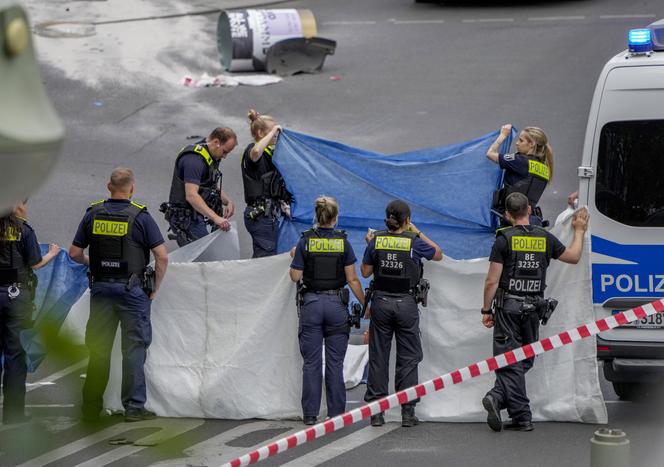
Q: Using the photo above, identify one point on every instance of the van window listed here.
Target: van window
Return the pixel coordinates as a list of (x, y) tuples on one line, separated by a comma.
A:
[(630, 173)]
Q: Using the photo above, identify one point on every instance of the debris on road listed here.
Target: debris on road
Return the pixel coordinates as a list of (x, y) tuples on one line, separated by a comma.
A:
[(207, 81)]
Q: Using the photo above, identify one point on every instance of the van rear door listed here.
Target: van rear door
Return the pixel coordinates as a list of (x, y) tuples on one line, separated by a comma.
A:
[(626, 197)]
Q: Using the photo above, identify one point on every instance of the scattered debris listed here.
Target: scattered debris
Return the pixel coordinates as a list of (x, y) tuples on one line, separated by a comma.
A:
[(335, 78), (65, 29), (298, 55), (206, 81)]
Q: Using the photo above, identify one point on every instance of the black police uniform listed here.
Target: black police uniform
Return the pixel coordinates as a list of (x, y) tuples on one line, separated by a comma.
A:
[(19, 251), (120, 234), (322, 254), (523, 174), (525, 253), (263, 192), (394, 312), (185, 222)]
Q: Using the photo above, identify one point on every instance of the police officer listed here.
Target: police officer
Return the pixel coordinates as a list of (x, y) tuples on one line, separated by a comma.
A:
[(264, 190), (197, 179), (120, 234), (527, 171), (394, 257), (517, 277), (19, 256), (324, 262)]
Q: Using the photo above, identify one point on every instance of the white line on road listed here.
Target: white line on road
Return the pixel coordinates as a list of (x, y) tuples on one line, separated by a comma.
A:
[(347, 23), (57, 375), (50, 406), (417, 21), (169, 428), (42, 383), (218, 449), (556, 18), (617, 402), (625, 16), (488, 20), (343, 445)]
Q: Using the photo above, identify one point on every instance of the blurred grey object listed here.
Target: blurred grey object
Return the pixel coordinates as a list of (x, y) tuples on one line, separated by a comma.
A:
[(31, 133), (298, 55)]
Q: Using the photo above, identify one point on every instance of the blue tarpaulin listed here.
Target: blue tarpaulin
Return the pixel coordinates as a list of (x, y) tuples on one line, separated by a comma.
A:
[(61, 284), (449, 189)]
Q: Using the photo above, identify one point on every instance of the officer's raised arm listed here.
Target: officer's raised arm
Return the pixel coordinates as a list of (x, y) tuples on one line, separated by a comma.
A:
[(572, 253), (438, 255), (492, 154)]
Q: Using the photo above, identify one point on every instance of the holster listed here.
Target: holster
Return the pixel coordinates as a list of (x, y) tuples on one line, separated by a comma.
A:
[(134, 280), (498, 201), (299, 296), (422, 292), (344, 296), (498, 299), (368, 295), (149, 279)]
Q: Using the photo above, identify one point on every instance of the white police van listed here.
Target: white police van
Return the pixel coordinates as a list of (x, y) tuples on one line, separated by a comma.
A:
[(622, 182)]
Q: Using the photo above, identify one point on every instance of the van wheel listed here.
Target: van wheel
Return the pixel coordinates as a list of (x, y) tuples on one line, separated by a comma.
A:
[(626, 391)]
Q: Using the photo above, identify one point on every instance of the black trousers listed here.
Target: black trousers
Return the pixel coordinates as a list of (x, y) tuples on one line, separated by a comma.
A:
[(511, 331), (399, 317)]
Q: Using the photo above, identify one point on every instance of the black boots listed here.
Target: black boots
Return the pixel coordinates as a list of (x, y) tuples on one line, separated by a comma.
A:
[(408, 417)]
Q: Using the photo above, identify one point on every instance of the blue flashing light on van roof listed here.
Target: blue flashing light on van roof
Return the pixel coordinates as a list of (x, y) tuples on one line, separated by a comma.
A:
[(639, 41)]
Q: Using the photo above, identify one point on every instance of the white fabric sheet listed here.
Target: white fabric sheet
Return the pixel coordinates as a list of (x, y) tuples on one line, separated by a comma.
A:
[(225, 342)]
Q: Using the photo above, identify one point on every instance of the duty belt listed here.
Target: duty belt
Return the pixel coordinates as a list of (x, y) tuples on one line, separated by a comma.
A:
[(325, 292), (518, 298), (395, 294), (114, 280)]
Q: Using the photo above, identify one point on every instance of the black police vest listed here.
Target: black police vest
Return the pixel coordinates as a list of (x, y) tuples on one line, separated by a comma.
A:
[(395, 271), (13, 268), (324, 260), (113, 252), (534, 184), (265, 182), (178, 195), (524, 273)]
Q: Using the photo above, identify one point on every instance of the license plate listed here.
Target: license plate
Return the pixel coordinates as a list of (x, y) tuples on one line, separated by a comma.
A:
[(655, 321)]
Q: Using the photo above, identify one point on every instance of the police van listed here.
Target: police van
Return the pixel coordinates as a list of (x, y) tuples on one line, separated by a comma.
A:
[(622, 183)]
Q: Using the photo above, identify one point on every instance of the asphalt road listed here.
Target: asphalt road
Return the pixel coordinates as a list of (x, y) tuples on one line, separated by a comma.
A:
[(412, 76)]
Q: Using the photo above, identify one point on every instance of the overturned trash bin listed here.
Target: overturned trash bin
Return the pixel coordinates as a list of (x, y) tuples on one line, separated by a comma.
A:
[(298, 55), (244, 36)]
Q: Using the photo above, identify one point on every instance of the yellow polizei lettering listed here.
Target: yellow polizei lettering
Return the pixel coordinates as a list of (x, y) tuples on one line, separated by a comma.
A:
[(326, 245), (10, 236), (539, 169), (529, 244), (110, 228), (393, 243)]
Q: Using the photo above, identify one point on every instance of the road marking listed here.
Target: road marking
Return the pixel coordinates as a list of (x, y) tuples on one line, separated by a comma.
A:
[(556, 18), (216, 451), (169, 428), (625, 16), (43, 383), (488, 20), (417, 21), (50, 406), (348, 23), (48, 380), (341, 446), (57, 375), (617, 402)]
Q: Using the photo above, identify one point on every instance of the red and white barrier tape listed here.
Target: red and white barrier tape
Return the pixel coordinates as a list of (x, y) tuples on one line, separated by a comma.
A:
[(454, 377)]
